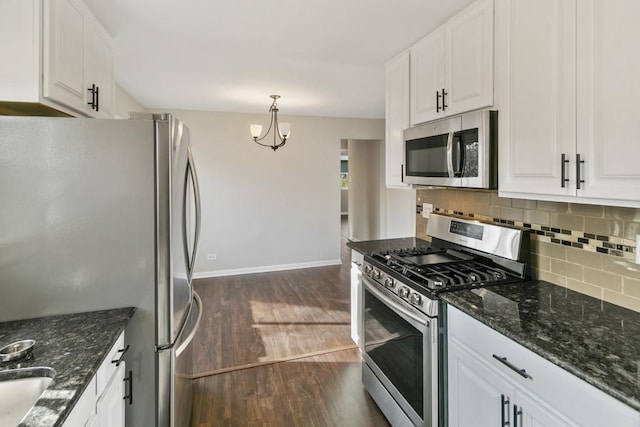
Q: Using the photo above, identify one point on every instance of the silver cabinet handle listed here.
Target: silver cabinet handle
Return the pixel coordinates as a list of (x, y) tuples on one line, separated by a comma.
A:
[(522, 372)]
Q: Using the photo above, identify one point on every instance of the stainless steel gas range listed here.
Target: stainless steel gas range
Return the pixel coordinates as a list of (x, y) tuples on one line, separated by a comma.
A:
[(402, 331)]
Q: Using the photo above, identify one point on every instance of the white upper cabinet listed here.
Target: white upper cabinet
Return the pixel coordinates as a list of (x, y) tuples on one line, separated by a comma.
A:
[(99, 72), (427, 78), (565, 82), (59, 51), (78, 59), (397, 117), (452, 68), (64, 50), (536, 91), (608, 82), (469, 59)]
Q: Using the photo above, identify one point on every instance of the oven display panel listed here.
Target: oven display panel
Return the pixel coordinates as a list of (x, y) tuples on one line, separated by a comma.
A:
[(472, 231)]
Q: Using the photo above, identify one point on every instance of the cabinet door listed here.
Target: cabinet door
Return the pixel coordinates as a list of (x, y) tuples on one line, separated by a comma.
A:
[(478, 396), (397, 117), (99, 69), (608, 105), (110, 406), (536, 90), (529, 412), (469, 59), (356, 298), (427, 77), (64, 61)]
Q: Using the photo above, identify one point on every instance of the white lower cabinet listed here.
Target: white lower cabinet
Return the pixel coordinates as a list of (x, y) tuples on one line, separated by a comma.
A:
[(520, 390), (103, 402), (356, 298), (110, 406)]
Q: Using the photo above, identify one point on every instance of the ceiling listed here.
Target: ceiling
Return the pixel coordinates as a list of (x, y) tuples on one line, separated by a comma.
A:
[(324, 57)]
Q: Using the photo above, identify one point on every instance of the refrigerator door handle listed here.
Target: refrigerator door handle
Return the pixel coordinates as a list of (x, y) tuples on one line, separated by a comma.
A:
[(193, 331), (191, 171)]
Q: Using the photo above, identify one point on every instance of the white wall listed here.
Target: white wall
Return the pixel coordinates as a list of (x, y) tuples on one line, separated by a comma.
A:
[(401, 213), (265, 210), (125, 104), (366, 190)]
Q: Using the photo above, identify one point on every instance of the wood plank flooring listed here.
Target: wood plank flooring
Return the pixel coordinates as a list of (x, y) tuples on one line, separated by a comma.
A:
[(274, 349)]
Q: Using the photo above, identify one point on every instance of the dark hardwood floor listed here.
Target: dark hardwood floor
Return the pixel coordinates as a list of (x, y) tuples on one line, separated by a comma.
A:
[(274, 349)]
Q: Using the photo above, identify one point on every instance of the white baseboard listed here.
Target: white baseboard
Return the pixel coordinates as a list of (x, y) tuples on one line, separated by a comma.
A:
[(264, 269)]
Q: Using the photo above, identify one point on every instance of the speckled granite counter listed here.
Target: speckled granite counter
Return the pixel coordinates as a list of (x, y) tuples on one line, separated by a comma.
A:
[(594, 340), (368, 246), (74, 345)]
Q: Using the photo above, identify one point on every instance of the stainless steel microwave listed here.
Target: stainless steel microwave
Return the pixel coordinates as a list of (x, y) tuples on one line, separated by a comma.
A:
[(459, 151)]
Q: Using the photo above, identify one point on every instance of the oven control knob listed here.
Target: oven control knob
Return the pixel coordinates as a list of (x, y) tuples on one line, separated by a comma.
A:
[(376, 273), (415, 299), (389, 283), (368, 269), (404, 292)]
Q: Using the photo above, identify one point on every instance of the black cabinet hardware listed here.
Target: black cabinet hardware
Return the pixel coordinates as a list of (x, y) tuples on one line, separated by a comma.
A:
[(438, 101), (504, 361), (579, 179), (95, 97), (517, 413), (122, 352), (401, 173), (92, 90), (504, 411), (129, 382), (444, 97), (563, 175)]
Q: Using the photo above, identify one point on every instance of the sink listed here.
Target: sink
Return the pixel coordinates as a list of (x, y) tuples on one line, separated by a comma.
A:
[(19, 391)]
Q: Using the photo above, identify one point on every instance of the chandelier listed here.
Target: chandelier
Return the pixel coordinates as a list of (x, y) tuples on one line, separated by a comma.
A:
[(281, 131)]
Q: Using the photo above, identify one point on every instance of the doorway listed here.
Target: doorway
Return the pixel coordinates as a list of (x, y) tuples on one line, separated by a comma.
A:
[(365, 184)]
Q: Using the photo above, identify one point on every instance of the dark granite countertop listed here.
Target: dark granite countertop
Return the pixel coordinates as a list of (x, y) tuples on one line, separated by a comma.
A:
[(594, 340), (74, 345), (367, 246)]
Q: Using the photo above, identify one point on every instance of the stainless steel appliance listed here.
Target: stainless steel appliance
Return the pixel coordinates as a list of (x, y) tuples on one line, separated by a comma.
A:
[(401, 309), (458, 151), (99, 214)]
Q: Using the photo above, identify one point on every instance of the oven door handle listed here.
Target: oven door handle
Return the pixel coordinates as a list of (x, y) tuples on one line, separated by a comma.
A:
[(391, 303)]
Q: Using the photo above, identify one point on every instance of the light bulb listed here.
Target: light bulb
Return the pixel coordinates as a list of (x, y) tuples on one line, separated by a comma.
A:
[(256, 130), (284, 129)]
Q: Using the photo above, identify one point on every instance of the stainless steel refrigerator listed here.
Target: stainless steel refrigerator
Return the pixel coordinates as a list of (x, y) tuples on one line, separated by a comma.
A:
[(98, 214)]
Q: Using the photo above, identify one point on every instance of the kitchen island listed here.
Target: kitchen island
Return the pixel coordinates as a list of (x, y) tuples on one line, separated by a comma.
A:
[(74, 345)]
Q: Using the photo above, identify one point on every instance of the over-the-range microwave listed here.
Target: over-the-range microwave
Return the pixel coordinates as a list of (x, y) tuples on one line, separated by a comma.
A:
[(459, 151)]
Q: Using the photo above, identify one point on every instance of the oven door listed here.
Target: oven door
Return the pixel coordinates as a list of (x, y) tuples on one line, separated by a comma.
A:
[(400, 348)]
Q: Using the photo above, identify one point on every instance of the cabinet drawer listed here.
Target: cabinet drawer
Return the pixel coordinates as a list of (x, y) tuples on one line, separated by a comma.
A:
[(108, 368), (576, 399)]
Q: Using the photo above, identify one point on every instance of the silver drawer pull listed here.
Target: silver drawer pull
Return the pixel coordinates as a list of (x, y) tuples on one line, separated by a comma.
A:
[(505, 362)]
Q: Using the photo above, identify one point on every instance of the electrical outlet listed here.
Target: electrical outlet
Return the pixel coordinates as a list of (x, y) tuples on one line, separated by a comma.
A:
[(637, 248), (211, 257), (427, 208)]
